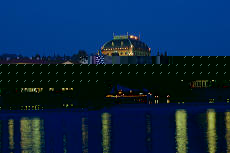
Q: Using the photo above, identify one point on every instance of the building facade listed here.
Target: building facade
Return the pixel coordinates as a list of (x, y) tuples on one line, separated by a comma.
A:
[(125, 45)]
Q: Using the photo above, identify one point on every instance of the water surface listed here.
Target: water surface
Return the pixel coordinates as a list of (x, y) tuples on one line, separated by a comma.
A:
[(123, 129)]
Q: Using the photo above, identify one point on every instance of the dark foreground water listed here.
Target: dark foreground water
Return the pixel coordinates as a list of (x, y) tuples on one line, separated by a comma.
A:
[(124, 129)]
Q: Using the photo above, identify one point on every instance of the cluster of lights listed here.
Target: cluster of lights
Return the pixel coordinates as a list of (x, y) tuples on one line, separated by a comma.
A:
[(130, 54), (64, 89), (31, 89), (114, 48), (211, 100), (36, 107), (67, 105), (133, 37)]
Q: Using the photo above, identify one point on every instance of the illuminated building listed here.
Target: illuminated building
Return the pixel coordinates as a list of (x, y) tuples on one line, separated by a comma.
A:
[(199, 84), (126, 45), (37, 90)]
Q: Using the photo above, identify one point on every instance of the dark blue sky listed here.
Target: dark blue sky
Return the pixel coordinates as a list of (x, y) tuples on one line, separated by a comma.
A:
[(182, 27)]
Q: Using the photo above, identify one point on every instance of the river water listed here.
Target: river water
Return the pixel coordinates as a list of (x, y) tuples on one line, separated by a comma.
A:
[(120, 129)]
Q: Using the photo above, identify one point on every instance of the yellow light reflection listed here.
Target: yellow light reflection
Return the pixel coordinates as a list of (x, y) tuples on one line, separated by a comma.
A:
[(36, 135), (106, 132), (168, 101), (84, 128), (32, 135), (211, 130), (227, 136), (11, 133), (181, 131)]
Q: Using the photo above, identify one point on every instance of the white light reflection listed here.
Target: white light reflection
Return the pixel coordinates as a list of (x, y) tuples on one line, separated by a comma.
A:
[(64, 143), (181, 131), (227, 136), (84, 129), (106, 132), (211, 130), (11, 133)]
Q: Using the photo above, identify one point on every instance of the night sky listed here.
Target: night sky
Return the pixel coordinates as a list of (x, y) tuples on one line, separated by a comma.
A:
[(182, 27)]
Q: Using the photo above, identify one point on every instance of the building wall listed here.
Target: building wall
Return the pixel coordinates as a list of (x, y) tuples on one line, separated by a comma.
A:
[(127, 52), (141, 53), (121, 52)]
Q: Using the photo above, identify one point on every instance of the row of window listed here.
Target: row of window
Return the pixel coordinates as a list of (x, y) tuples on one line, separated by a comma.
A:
[(126, 53), (200, 83), (41, 89)]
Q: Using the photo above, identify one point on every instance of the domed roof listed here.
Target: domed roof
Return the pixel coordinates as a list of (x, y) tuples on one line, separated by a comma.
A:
[(119, 43), (125, 43)]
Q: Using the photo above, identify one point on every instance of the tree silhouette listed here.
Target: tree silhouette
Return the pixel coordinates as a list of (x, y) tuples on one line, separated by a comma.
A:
[(76, 57)]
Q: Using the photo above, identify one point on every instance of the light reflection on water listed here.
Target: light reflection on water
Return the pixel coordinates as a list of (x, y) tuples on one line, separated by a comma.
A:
[(148, 121), (84, 129), (106, 132), (211, 130), (32, 136), (11, 134), (64, 143), (181, 131), (227, 125)]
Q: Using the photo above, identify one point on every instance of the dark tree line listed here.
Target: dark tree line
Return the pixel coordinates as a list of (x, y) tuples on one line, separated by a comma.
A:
[(75, 57)]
